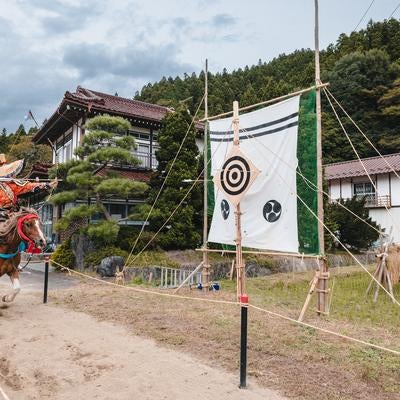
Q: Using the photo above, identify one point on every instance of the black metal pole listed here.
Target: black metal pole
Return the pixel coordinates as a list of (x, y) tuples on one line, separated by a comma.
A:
[(46, 279), (244, 300)]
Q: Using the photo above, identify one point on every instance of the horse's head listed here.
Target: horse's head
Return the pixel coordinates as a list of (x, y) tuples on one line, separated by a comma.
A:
[(29, 230)]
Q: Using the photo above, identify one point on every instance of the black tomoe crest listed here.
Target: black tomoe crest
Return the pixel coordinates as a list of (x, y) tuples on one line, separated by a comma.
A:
[(272, 210), (225, 209)]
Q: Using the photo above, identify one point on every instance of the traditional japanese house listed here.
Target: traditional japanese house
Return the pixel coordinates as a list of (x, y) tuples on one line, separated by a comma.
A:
[(64, 130)]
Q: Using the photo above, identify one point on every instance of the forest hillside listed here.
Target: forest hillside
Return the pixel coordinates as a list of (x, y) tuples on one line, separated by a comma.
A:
[(363, 70)]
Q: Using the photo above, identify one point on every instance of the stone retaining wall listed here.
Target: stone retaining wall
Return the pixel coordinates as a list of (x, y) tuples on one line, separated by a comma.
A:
[(221, 270)]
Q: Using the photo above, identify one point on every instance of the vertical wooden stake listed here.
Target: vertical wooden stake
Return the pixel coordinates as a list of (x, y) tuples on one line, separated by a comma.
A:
[(322, 300), (240, 275), (206, 265), (309, 295)]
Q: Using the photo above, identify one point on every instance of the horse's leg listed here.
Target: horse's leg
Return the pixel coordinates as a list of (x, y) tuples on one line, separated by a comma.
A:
[(14, 276)]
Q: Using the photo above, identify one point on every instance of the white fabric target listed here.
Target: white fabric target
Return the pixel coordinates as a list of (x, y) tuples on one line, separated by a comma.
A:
[(268, 138)]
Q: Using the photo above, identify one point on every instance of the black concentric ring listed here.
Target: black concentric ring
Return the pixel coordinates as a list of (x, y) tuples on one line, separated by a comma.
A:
[(235, 175)]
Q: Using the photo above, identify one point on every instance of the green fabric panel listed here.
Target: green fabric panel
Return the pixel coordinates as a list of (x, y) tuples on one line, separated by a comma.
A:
[(210, 183), (307, 157)]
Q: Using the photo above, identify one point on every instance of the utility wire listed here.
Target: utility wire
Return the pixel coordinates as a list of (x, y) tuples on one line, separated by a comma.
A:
[(362, 18), (391, 15)]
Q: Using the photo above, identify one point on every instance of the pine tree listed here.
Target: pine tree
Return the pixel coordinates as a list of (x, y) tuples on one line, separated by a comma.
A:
[(182, 231), (105, 143)]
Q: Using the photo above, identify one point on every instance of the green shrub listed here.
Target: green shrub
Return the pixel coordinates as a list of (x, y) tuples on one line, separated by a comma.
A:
[(64, 256), (94, 257)]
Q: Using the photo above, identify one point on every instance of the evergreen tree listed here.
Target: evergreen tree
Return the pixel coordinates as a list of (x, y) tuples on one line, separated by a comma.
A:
[(4, 141), (105, 144), (352, 232), (183, 230), (25, 149), (20, 131), (361, 67)]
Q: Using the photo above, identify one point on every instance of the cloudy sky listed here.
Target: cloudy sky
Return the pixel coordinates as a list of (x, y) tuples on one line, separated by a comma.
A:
[(50, 46)]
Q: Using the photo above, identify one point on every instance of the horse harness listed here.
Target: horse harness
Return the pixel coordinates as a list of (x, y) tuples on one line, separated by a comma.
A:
[(30, 248)]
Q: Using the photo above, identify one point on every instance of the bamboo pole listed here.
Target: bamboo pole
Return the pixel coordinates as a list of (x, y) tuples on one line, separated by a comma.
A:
[(188, 277), (270, 101), (309, 295), (240, 275), (264, 253), (322, 291), (206, 265)]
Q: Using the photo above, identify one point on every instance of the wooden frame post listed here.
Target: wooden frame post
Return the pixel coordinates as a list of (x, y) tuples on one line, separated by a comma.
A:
[(206, 264), (240, 275), (323, 274)]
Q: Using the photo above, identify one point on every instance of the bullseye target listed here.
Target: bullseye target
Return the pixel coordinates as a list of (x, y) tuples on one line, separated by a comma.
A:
[(236, 175)]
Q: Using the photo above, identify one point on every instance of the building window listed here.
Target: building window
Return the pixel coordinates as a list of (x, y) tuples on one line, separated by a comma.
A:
[(117, 211), (46, 216), (64, 149), (362, 189), (68, 151)]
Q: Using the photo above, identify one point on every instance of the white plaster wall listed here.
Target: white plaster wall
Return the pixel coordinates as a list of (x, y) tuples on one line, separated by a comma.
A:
[(387, 219), (347, 190), (395, 185), (382, 184), (75, 139), (200, 144), (334, 189)]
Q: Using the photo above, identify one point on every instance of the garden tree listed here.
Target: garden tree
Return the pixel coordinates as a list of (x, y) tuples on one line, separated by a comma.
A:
[(352, 232), (30, 152), (182, 231), (106, 143)]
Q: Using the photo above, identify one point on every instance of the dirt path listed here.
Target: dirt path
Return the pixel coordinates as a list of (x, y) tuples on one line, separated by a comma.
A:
[(48, 352)]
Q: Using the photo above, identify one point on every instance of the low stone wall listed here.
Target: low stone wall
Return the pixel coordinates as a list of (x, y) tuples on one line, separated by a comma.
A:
[(221, 270)]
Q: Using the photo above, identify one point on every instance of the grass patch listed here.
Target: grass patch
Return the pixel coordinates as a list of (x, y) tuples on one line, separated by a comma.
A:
[(281, 354), (348, 299)]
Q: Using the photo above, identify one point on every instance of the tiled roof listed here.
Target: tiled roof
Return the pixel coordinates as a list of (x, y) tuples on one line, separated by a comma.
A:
[(142, 176), (39, 169), (115, 104), (373, 165)]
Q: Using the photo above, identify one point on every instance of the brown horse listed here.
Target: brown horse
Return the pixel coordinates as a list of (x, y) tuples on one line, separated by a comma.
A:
[(21, 227)]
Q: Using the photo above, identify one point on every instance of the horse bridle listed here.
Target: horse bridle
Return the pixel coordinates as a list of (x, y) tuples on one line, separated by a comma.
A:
[(31, 243)]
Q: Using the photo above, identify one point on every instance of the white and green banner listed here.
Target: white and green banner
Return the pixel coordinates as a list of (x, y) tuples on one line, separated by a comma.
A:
[(272, 217)]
